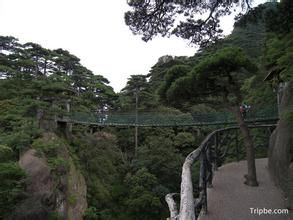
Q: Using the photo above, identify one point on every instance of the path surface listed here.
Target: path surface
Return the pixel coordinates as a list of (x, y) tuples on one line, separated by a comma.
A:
[(230, 199)]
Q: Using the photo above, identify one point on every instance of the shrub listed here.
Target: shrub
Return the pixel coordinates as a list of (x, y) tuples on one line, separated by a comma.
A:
[(11, 187)]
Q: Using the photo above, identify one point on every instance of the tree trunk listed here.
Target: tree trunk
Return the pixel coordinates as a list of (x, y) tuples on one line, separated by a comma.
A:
[(251, 179), (45, 68)]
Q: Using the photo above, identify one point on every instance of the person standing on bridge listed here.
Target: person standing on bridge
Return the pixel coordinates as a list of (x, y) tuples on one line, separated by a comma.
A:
[(244, 109)]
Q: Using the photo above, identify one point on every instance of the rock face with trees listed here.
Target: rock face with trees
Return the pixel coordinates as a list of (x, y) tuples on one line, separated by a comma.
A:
[(35, 84)]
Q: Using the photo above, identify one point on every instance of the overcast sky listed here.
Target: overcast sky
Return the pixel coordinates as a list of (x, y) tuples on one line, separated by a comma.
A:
[(94, 31)]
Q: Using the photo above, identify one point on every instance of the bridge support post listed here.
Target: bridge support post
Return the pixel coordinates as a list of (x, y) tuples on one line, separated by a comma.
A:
[(216, 139), (237, 145), (69, 125), (46, 121), (209, 167), (136, 139), (64, 129), (203, 181), (94, 129)]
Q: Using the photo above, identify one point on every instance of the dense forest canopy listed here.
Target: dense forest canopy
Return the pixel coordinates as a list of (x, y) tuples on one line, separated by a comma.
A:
[(36, 84)]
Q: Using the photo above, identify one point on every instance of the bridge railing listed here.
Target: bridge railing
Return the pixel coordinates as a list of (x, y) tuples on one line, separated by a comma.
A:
[(209, 155)]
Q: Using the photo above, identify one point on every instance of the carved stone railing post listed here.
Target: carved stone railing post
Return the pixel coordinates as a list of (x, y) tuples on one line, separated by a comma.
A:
[(172, 206), (186, 196)]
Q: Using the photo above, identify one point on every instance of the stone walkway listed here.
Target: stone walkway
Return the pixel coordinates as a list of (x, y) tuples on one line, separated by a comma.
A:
[(230, 199)]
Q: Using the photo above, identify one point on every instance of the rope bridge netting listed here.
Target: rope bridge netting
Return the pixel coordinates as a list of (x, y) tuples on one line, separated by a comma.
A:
[(168, 119)]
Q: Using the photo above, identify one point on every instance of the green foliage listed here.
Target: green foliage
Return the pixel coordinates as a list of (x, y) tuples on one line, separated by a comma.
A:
[(11, 172), (279, 54), (58, 162), (54, 216), (46, 75), (253, 16), (172, 74), (137, 93), (201, 108), (251, 39), (279, 17), (122, 187), (54, 150), (49, 147), (220, 75), (91, 213), (258, 93), (6, 153), (184, 139), (18, 134), (142, 202), (228, 60), (167, 168), (72, 199), (11, 187), (159, 70), (103, 168)]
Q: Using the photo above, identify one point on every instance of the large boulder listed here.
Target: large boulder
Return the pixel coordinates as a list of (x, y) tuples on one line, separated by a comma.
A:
[(52, 188), (281, 148), (39, 174), (40, 199)]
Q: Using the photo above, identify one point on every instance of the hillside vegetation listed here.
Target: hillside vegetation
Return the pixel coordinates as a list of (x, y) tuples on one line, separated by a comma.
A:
[(101, 175)]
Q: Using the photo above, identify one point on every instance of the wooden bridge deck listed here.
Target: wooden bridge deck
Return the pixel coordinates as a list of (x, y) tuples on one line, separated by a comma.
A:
[(230, 199)]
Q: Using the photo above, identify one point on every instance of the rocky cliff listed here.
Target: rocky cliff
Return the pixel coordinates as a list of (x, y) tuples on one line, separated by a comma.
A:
[(281, 147), (55, 187)]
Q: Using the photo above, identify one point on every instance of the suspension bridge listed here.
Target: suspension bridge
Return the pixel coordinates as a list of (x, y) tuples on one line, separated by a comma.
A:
[(164, 119)]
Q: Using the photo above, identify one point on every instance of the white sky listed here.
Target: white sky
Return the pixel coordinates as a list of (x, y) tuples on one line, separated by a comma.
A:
[(94, 31)]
